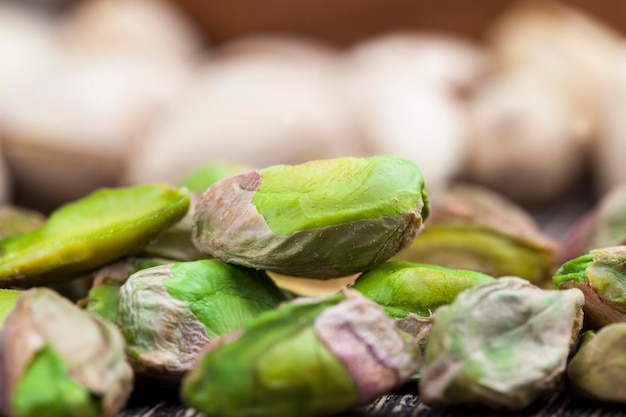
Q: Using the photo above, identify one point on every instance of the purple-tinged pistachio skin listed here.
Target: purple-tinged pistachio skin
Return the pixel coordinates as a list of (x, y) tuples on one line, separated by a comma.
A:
[(322, 219), (88, 350), (311, 357), (502, 344)]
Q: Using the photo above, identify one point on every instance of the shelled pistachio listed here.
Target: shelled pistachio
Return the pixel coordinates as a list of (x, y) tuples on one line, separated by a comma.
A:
[(601, 276), (598, 369), (502, 344), (60, 361), (321, 219), (168, 313), (200, 179), (90, 232), (474, 228), (311, 357)]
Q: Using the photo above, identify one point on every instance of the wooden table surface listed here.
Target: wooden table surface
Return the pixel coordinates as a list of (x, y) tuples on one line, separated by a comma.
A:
[(555, 221)]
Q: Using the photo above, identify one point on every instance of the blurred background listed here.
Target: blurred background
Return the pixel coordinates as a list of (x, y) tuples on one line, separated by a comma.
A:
[(524, 97)]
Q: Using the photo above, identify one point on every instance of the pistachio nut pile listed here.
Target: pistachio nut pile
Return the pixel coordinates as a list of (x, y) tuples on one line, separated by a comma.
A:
[(172, 286)]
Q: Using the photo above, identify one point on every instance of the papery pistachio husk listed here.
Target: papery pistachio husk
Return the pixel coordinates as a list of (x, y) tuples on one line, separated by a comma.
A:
[(103, 297), (16, 220), (8, 299), (58, 360), (598, 369), (502, 344), (91, 232), (322, 219), (311, 357), (168, 313), (473, 228), (601, 276), (603, 226)]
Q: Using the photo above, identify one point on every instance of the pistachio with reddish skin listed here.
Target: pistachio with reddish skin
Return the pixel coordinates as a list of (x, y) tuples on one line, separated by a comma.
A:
[(601, 276), (168, 313), (477, 229), (502, 344), (311, 357), (322, 219), (58, 360)]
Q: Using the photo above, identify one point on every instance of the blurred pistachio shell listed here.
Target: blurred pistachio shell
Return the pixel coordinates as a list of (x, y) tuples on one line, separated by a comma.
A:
[(168, 313), (601, 276), (603, 226), (90, 232), (310, 357), (16, 220), (8, 299), (321, 219), (474, 228), (598, 369), (103, 297), (310, 287), (502, 344), (58, 360), (404, 288)]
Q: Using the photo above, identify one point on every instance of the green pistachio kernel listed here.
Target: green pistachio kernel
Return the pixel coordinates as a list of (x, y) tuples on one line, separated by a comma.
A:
[(8, 299), (311, 357), (88, 233), (402, 288), (204, 177), (321, 219), (169, 313)]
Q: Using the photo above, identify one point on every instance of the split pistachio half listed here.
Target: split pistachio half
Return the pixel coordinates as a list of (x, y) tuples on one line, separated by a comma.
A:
[(321, 219)]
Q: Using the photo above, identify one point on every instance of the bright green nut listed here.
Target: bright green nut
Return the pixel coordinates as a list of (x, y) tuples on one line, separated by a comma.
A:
[(502, 344), (322, 219), (8, 299), (311, 357), (18, 220), (598, 369), (204, 177), (91, 232), (476, 229), (58, 360), (168, 313), (404, 288)]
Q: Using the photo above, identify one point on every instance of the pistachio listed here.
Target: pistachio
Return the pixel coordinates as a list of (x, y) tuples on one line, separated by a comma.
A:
[(502, 344), (321, 219), (168, 313), (598, 369), (8, 298), (93, 231), (601, 276), (477, 229), (58, 360), (202, 178), (311, 357)]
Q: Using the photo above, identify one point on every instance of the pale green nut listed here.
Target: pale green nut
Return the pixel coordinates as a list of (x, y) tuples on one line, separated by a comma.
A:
[(601, 275), (321, 219), (169, 313), (93, 231), (476, 229), (202, 178), (311, 357), (404, 288), (8, 299), (57, 360), (502, 344), (598, 369)]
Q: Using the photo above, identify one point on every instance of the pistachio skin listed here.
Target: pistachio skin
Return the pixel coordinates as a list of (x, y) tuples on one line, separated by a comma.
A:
[(476, 229), (58, 358), (598, 369), (322, 219), (93, 231), (502, 344), (404, 288), (311, 357), (168, 313)]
